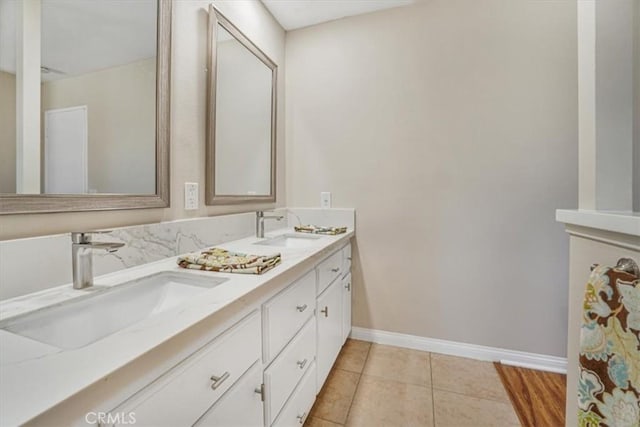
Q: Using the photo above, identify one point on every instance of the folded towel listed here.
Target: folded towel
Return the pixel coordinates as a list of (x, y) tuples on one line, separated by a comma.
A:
[(317, 229), (609, 373), (218, 259)]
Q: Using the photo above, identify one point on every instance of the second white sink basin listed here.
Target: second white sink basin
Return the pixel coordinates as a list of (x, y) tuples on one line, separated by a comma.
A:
[(80, 322), (290, 241)]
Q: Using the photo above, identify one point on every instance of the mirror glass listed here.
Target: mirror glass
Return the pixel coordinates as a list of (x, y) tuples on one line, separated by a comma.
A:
[(241, 122), (78, 96)]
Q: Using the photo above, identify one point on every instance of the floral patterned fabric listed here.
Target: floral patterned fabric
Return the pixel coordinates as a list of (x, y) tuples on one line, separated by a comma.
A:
[(317, 229), (221, 260), (609, 373)]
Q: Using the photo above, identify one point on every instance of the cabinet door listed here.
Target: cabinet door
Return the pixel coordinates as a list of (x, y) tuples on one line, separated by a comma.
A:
[(241, 406), (346, 307), (329, 321)]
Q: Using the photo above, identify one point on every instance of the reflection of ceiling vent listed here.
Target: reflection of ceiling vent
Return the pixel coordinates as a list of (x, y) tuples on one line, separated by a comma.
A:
[(47, 70)]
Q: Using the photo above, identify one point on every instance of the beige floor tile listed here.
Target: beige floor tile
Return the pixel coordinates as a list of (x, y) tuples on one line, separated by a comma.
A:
[(319, 422), (336, 395), (467, 376), (353, 356), (381, 402), (457, 410), (398, 364)]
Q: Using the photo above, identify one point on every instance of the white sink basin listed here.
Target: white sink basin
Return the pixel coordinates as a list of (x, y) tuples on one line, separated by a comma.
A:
[(88, 319), (290, 241)]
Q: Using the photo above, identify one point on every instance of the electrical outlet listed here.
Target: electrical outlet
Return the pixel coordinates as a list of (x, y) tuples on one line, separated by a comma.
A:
[(190, 196), (325, 200)]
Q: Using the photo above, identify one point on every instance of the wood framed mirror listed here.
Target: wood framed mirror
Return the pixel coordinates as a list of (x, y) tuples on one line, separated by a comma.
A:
[(91, 111), (241, 118)]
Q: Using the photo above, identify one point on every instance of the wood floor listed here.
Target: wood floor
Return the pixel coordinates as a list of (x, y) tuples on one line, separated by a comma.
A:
[(538, 397)]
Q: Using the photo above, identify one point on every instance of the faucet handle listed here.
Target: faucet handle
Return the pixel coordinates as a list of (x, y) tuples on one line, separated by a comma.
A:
[(85, 236)]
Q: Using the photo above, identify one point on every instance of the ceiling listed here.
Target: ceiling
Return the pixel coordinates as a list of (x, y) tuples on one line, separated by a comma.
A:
[(293, 14), (80, 36)]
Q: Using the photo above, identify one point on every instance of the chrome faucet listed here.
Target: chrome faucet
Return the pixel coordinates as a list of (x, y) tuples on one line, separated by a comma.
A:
[(81, 248), (260, 217)]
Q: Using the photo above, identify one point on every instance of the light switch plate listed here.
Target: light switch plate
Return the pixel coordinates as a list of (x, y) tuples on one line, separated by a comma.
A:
[(190, 196), (325, 200)]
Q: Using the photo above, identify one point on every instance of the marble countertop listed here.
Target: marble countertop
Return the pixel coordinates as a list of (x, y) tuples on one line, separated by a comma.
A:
[(619, 222), (35, 377)]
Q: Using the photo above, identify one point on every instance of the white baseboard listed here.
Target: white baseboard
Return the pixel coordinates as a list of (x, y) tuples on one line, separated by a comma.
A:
[(508, 357)]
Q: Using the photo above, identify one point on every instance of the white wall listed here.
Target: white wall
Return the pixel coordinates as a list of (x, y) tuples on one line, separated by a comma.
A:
[(121, 111), (451, 127), (188, 114), (614, 101), (7, 132)]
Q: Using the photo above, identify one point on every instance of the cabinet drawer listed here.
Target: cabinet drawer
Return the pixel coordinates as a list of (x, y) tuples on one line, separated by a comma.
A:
[(346, 260), (297, 408), (285, 314), (241, 406), (328, 270), (183, 394), (285, 372)]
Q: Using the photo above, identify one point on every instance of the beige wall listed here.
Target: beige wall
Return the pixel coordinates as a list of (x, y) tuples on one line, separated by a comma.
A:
[(121, 123), (7, 133), (451, 127), (188, 111)]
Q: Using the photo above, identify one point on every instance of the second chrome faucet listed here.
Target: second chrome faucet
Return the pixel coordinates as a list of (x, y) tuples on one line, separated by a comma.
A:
[(260, 217)]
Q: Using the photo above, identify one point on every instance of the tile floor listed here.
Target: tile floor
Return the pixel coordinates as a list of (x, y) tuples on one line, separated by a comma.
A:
[(377, 385)]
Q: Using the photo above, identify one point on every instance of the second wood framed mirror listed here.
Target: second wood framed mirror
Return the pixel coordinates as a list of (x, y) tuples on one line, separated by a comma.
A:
[(241, 118)]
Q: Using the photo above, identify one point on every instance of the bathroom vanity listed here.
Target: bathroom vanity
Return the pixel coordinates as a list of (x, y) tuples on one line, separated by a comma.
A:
[(247, 350)]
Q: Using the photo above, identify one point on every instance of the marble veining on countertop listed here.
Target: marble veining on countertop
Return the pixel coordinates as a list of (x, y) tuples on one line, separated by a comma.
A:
[(36, 376)]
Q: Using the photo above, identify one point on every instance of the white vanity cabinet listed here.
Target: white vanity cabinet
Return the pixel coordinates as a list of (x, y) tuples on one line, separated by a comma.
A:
[(182, 395), (289, 342), (333, 309), (264, 370)]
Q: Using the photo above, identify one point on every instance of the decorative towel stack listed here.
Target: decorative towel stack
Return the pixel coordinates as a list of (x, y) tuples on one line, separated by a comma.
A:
[(609, 373), (221, 260), (316, 229)]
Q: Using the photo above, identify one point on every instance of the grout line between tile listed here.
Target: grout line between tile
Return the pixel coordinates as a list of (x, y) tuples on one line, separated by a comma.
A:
[(366, 359), (433, 398)]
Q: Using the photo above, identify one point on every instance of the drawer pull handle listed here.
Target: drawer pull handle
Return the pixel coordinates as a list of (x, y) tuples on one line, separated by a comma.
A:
[(302, 363), (325, 311), (348, 286), (349, 258), (217, 381), (301, 418), (301, 308), (335, 270)]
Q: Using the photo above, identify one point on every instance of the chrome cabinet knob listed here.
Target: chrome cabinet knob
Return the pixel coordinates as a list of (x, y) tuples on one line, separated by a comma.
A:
[(335, 270), (301, 308), (302, 363)]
